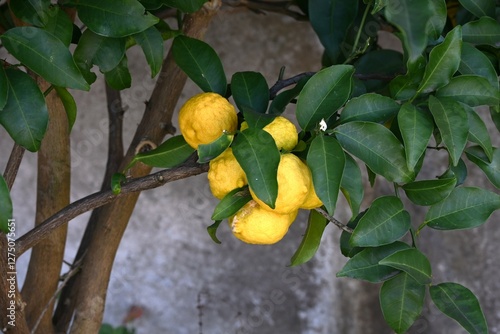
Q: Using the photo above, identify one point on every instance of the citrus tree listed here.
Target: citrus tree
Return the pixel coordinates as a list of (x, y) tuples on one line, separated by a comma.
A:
[(368, 113)]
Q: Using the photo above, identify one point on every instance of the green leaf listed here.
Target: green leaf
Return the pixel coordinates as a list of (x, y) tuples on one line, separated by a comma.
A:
[(212, 231), (330, 20), (479, 7), (106, 18), (4, 88), (365, 264), (475, 62), (201, 64), (25, 116), (437, 21), (250, 91), (459, 172), (352, 184), (411, 18), (69, 105), (31, 11), (281, 100), (326, 160), (207, 152), (45, 55), (59, 24), (258, 156), (416, 127), (495, 117), (116, 182), (312, 238), (428, 192), (151, 43), (186, 6), (401, 300), (369, 107), (478, 133), (5, 206), (412, 262), (486, 30), (387, 63), (171, 153), (119, 78), (323, 95), (345, 248), (385, 222), (472, 90), (105, 52), (444, 60), (464, 208), (491, 169), (256, 119), (453, 124), (404, 87), (231, 203), (460, 304), (377, 147)]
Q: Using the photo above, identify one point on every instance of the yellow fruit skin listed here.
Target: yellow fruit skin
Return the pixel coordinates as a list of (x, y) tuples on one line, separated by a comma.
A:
[(225, 174), (294, 183), (254, 225), (204, 117), (283, 132), (312, 200)]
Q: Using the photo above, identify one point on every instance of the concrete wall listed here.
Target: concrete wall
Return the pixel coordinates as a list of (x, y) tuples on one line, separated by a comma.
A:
[(167, 264)]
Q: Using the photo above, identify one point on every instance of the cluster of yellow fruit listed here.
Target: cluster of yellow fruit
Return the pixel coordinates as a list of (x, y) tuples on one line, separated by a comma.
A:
[(203, 119)]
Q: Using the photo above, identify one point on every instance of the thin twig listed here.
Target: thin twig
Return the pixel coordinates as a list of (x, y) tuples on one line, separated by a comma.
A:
[(10, 173), (98, 199), (262, 6), (340, 225)]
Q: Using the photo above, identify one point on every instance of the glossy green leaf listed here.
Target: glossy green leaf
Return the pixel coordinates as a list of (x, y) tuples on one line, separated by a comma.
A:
[(486, 30), (326, 160), (416, 127), (59, 24), (34, 12), (119, 78), (258, 156), (377, 147), (369, 107), (345, 247), (212, 231), (323, 95), (106, 18), (458, 172), (151, 43), (231, 203), (365, 264), (4, 88), (495, 118), (116, 182), (201, 64), (281, 100), (171, 153), (412, 262), (411, 17), (479, 7), (475, 62), (465, 207), (401, 300), (437, 20), (404, 87), (490, 169), (352, 184), (453, 124), (385, 222), (207, 152), (472, 90), (428, 192), (256, 119), (5, 206), (250, 91), (382, 62), (25, 115), (460, 304), (105, 52), (330, 20), (444, 60), (69, 105), (186, 6), (312, 238), (478, 133), (45, 55)]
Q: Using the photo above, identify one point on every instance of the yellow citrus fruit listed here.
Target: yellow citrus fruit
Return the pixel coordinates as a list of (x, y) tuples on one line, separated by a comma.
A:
[(312, 200), (255, 225), (225, 174), (294, 182), (204, 117), (283, 132)]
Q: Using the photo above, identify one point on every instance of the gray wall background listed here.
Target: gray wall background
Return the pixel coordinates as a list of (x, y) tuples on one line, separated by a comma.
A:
[(167, 264)]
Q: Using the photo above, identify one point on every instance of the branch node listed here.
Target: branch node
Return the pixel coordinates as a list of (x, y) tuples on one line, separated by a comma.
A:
[(144, 146)]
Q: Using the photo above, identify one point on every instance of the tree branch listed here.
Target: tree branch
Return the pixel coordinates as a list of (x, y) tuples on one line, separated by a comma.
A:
[(115, 137), (262, 6), (337, 223), (15, 158)]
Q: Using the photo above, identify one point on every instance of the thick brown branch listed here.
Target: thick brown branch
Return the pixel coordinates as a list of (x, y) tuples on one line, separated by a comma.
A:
[(15, 158), (115, 137)]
